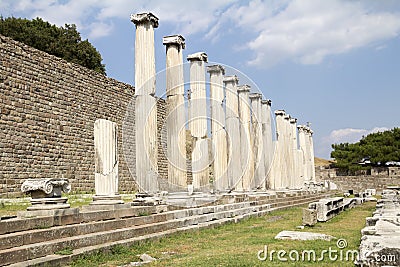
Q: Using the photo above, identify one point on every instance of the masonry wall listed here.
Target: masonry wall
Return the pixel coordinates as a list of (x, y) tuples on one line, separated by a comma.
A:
[(47, 111), (360, 183)]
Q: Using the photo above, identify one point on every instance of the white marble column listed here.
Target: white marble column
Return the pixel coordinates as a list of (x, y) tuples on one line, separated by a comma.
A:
[(198, 121), (145, 63), (145, 104), (258, 152), (106, 162), (176, 117), (246, 138), (268, 146), (279, 166), (304, 157), (312, 163), (218, 133), (233, 133), (287, 152), (294, 155)]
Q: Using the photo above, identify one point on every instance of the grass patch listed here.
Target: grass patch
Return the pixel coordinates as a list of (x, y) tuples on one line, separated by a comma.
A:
[(65, 251), (238, 244), (12, 206)]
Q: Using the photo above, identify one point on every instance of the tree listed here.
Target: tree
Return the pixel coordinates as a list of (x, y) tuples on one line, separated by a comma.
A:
[(379, 148), (64, 42)]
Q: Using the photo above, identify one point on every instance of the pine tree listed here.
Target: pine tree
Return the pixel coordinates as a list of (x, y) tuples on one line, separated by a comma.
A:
[(64, 42)]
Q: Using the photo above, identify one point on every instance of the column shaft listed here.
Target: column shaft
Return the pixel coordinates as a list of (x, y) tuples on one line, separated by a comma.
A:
[(268, 147), (198, 121), (145, 103), (176, 118), (106, 157), (233, 133), (258, 152), (246, 151), (218, 134), (279, 171)]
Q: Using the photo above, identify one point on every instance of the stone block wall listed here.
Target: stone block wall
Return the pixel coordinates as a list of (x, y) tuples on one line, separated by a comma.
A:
[(360, 183), (47, 111)]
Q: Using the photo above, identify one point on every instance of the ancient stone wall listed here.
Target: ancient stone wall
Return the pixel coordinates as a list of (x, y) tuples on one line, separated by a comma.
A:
[(48, 109), (360, 183)]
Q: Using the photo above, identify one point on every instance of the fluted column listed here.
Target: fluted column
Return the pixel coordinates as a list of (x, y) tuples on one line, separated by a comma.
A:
[(106, 162), (176, 117), (304, 157), (294, 155), (233, 133), (312, 163), (279, 165), (268, 147), (246, 151), (198, 121), (145, 63), (257, 146), (145, 103), (287, 152), (218, 134)]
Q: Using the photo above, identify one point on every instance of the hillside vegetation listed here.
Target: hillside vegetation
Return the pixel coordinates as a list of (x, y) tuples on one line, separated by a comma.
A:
[(373, 149)]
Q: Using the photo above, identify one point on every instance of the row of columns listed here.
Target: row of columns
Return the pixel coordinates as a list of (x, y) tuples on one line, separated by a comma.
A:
[(243, 155), (293, 162)]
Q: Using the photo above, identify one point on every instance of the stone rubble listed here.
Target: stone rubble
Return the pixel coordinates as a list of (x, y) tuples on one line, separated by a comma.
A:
[(380, 241)]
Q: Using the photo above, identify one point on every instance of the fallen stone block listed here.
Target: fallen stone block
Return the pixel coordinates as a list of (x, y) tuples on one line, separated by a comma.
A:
[(309, 217), (295, 235)]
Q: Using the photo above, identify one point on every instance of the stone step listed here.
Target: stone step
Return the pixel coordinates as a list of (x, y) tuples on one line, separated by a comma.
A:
[(24, 224), (107, 232), (60, 260), (85, 238), (50, 233)]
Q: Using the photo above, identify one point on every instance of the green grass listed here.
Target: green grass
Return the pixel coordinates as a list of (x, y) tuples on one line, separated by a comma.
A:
[(64, 251), (10, 208), (238, 244)]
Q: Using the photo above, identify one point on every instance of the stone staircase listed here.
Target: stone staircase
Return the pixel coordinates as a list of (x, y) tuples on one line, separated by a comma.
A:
[(34, 241)]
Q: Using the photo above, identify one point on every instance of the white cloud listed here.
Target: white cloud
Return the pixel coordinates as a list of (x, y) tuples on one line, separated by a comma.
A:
[(100, 29), (350, 135), (304, 31), (308, 31)]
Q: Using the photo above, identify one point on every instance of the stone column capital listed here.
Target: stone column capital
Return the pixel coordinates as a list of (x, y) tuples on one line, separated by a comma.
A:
[(243, 88), (266, 102), (177, 40), (216, 69), (293, 120), (255, 96), (287, 117), (144, 18), (231, 79), (280, 112), (199, 56), (302, 128)]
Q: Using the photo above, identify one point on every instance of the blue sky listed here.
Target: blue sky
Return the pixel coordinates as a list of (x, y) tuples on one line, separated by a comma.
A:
[(333, 63)]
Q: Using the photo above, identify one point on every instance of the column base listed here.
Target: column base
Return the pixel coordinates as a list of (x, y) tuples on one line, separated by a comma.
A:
[(107, 200), (49, 203), (48, 212)]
